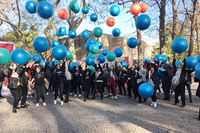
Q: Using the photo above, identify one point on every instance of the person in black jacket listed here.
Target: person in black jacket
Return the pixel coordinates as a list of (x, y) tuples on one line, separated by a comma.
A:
[(98, 80), (188, 81), (58, 80), (77, 80), (198, 92), (2, 76), (122, 79), (49, 75), (86, 83), (166, 83), (180, 89), (132, 82)]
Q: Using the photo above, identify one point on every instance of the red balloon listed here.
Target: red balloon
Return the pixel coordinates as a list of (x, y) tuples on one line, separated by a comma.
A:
[(135, 0), (63, 14), (113, 49), (144, 7), (135, 9), (110, 21)]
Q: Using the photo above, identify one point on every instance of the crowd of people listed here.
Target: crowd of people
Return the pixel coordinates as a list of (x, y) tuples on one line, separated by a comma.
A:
[(111, 76)]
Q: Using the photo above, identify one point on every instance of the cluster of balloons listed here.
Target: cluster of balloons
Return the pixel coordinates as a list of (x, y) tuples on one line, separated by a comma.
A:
[(160, 58)]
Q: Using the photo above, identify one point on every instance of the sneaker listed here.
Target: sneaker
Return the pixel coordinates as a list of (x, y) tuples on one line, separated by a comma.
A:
[(79, 95), (70, 94), (47, 93), (75, 95), (155, 105), (37, 104), (84, 100), (61, 103), (53, 92), (179, 97), (113, 97), (152, 103), (54, 101), (116, 97), (44, 104)]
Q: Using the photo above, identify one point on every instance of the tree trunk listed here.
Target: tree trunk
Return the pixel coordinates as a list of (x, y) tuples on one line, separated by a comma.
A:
[(162, 26), (193, 19), (175, 14), (198, 28)]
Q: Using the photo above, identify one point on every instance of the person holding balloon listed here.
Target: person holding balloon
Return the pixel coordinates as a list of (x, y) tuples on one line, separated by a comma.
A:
[(180, 85), (77, 80), (188, 81), (67, 85), (122, 78), (198, 92)]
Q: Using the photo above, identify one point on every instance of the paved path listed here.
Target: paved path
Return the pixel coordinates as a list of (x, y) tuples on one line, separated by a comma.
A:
[(101, 116)]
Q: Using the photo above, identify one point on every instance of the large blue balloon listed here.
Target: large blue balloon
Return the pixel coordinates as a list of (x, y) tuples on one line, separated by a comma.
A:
[(59, 52), (91, 40), (99, 44), (197, 71), (116, 32), (164, 59), (55, 43), (104, 52), (101, 58), (72, 34), (38, 57), (114, 10), (160, 75), (124, 64), (87, 46), (191, 62), (198, 58), (62, 31), (179, 45), (40, 44), (55, 63), (146, 90), (31, 6), (85, 10), (64, 47), (44, 10), (19, 56), (77, 11), (71, 67), (132, 42), (118, 52), (85, 34), (89, 60), (93, 17), (143, 22), (43, 63), (159, 58)]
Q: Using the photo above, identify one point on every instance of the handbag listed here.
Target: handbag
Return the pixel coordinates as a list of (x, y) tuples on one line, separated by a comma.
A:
[(151, 82)]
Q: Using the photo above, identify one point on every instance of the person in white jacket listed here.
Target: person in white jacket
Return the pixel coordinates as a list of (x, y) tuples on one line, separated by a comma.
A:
[(67, 85)]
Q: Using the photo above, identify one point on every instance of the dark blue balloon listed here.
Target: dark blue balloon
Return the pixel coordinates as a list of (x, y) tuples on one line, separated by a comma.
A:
[(55, 63), (114, 10), (77, 11), (146, 90), (143, 22), (93, 17), (59, 52), (91, 40), (118, 52), (55, 43), (62, 31), (179, 45), (197, 71), (132, 42), (85, 34), (124, 64), (191, 62), (58, 33), (31, 6), (99, 44), (116, 32), (44, 10), (87, 46), (164, 59), (36, 57), (19, 56), (72, 34), (43, 63), (89, 60), (104, 52), (101, 58), (72, 65), (40, 44), (198, 58), (85, 10), (160, 75)]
